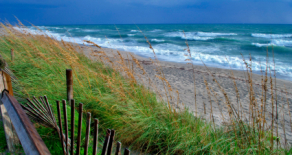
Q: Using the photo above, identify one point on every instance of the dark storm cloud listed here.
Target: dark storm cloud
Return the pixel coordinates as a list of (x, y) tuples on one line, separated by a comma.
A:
[(150, 11)]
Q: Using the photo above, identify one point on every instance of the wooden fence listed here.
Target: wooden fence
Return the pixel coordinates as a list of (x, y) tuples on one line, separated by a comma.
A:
[(18, 116), (15, 118)]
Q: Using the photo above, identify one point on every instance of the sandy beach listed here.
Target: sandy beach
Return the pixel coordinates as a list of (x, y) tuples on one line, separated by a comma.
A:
[(180, 77)]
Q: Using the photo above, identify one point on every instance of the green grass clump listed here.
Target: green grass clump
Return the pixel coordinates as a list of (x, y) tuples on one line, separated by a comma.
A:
[(120, 103)]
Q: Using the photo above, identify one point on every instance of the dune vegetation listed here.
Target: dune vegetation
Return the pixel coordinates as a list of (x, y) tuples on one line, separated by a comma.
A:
[(110, 91)]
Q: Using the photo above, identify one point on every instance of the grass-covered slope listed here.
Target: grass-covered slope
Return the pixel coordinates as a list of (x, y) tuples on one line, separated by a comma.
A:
[(118, 102)]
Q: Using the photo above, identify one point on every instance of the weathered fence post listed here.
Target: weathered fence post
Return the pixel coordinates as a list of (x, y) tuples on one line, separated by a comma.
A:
[(11, 137), (95, 136), (106, 140), (66, 125), (8, 129), (118, 149), (60, 127), (12, 54), (110, 144), (87, 133), (72, 125), (7, 83), (69, 79), (79, 129), (127, 152)]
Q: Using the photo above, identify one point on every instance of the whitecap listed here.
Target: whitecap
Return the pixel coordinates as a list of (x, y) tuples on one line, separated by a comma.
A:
[(198, 35), (155, 30), (261, 45), (157, 40), (271, 36), (275, 42), (130, 35), (171, 52), (134, 30), (280, 42), (213, 34), (89, 30)]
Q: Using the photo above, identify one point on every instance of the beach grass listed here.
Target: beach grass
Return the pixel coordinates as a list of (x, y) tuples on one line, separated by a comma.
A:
[(110, 92)]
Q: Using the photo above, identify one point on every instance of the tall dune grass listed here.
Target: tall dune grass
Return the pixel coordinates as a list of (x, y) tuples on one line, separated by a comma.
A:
[(111, 90)]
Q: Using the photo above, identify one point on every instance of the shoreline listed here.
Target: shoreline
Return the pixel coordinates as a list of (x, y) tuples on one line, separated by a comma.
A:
[(185, 66), (180, 77), (278, 77)]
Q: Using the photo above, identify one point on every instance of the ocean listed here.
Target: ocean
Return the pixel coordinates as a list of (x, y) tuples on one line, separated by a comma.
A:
[(217, 45)]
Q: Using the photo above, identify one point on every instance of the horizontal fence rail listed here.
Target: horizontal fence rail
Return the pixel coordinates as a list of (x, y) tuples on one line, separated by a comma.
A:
[(41, 111), (31, 141)]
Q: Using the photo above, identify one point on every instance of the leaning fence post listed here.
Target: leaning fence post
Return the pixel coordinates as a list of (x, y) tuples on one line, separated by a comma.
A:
[(69, 80), (60, 126), (79, 129), (106, 140), (127, 152), (66, 125), (87, 133), (72, 125), (110, 144), (118, 149)]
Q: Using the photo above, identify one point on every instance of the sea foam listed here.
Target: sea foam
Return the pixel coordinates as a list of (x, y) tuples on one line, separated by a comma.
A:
[(157, 40), (214, 54), (275, 42), (273, 36), (198, 35)]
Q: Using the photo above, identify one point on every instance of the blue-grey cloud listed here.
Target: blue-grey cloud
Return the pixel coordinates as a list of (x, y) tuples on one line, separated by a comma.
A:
[(174, 3), (151, 11)]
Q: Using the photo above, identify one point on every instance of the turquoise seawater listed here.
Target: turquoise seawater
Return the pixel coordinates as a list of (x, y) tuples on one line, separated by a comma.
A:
[(222, 46)]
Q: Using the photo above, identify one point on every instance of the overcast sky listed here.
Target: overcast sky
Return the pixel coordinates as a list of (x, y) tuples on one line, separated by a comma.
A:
[(60, 12)]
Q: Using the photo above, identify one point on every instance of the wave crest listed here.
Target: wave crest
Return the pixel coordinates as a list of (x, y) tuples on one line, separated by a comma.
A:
[(271, 36), (198, 35), (275, 42), (157, 40)]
